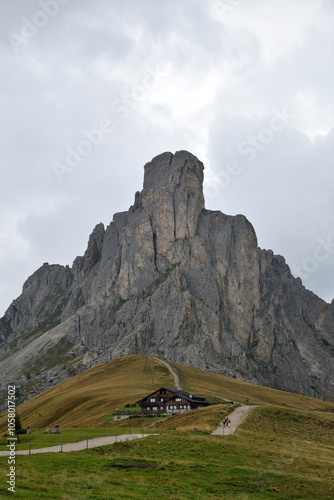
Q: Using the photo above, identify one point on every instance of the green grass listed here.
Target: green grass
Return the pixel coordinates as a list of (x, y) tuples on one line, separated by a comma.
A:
[(283, 454), (109, 417), (283, 450), (130, 408)]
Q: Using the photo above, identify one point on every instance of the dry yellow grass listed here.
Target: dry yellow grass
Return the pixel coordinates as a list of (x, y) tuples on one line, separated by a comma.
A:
[(212, 385), (203, 419), (83, 400)]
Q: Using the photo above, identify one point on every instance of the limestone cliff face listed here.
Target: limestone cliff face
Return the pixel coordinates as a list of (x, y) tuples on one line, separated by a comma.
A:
[(171, 278)]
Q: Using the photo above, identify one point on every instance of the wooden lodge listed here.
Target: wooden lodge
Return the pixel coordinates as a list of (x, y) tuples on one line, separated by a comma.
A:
[(169, 401)]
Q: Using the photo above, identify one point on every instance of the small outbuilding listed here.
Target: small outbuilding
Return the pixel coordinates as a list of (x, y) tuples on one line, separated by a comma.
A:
[(168, 400)]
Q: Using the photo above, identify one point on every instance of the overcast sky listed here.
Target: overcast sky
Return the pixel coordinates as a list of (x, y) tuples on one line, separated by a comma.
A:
[(91, 90)]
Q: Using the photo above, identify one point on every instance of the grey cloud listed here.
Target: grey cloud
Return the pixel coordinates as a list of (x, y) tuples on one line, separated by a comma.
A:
[(90, 55), (285, 191)]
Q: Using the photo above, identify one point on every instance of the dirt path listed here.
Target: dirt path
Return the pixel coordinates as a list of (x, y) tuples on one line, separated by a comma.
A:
[(172, 371), (80, 445), (228, 400), (236, 417)]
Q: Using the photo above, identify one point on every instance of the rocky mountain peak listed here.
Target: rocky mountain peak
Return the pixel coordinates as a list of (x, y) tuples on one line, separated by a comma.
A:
[(169, 278), (169, 174), (172, 196)]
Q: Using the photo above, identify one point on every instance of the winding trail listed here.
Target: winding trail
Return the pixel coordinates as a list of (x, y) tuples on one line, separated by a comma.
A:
[(80, 445), (172, 371), (236, 417)]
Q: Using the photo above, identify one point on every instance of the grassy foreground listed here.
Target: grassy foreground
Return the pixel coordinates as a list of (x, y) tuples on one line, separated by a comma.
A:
[(283, 450), (275, 454)]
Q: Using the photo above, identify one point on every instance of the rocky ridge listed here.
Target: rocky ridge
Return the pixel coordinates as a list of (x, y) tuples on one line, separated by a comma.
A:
[(170, 278)]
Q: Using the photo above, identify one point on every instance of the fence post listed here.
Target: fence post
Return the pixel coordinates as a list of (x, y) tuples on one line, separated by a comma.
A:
[(29, 446), (87, 442), (62, 442)]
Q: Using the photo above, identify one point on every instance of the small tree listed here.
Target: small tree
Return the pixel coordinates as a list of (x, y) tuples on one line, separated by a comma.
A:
[(18, 425)]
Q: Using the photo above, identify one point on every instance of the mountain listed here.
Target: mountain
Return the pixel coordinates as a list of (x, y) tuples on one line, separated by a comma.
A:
[(172, 279)]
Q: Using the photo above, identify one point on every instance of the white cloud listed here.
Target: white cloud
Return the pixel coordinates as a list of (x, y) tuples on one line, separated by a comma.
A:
[(225, 78)]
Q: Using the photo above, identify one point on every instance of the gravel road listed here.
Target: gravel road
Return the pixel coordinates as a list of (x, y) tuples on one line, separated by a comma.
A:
[(80, 445), (236, 417)]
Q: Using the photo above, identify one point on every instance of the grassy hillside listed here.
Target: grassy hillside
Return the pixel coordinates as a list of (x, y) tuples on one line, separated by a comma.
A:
[(211, 385), (82, 400), (284, 449), (85, 400), (275, 454)]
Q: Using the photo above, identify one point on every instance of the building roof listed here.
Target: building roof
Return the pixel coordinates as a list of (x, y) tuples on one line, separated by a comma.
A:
[(178, 392)]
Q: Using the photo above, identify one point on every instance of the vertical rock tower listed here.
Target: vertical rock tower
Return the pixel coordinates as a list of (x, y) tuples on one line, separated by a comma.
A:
[(170, 278)]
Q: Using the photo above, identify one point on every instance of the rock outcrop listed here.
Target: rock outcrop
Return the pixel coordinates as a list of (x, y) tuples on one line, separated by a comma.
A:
[(172, 279)]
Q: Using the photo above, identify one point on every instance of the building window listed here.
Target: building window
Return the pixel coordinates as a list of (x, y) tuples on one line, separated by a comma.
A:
[(154, 408), (177, 399), (152, 400), (148, 408), (161, 408)]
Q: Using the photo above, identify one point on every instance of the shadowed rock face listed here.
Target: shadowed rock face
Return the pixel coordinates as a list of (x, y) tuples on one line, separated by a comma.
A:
[(170, 278)]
